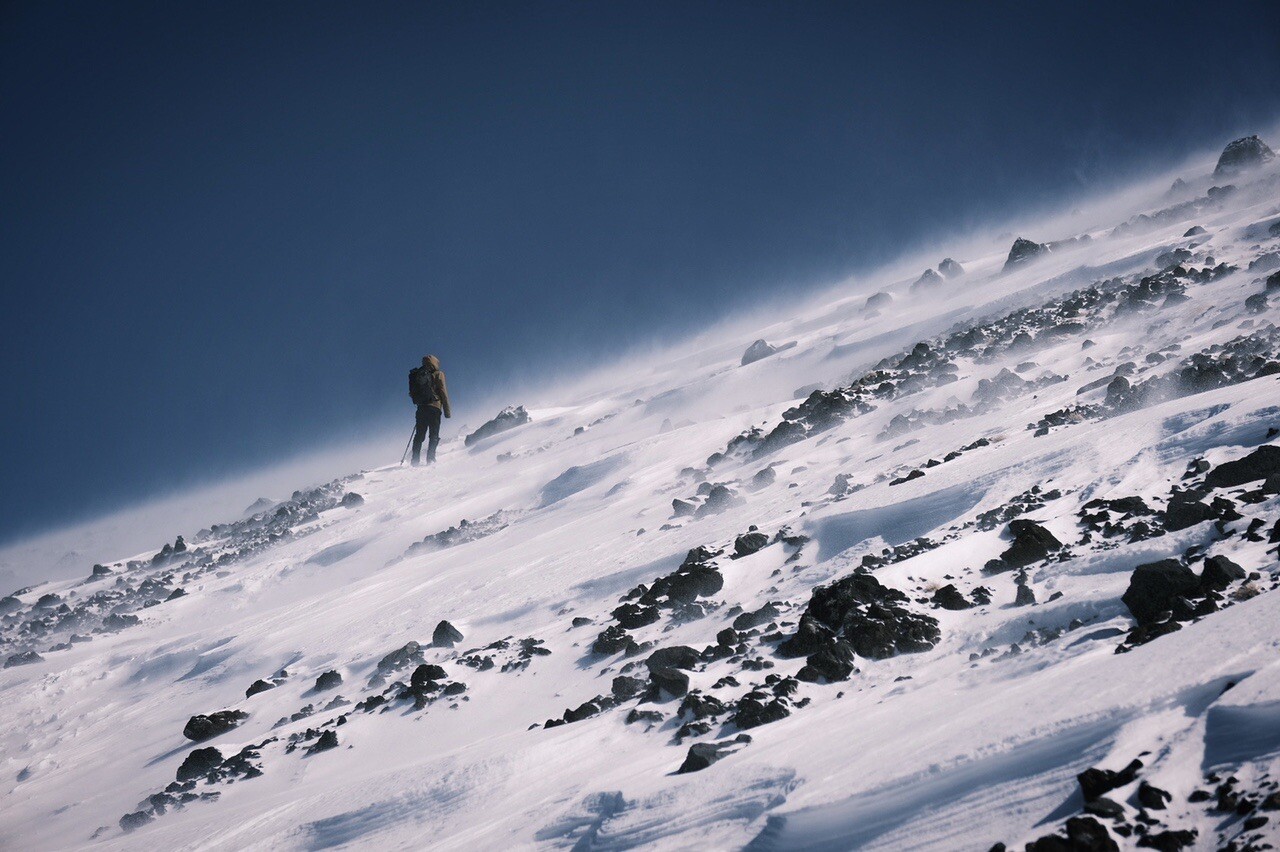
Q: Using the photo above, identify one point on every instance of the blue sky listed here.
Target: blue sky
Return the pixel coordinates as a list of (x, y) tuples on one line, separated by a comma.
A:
[(228, 229)]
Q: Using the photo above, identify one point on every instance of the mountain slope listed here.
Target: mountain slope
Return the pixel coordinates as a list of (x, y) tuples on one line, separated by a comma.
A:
[(890, 574)]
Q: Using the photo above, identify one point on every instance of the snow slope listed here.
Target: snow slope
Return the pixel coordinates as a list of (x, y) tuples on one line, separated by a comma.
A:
[(908, 463)]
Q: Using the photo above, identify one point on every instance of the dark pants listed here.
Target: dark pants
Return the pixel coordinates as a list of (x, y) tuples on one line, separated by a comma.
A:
[(428, 420)]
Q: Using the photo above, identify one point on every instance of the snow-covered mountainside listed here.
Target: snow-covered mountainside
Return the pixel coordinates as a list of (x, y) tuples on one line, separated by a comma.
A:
[(976, 557)]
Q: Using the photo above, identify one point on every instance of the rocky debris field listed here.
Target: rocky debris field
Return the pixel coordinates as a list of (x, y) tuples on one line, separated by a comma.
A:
[(998, 576)]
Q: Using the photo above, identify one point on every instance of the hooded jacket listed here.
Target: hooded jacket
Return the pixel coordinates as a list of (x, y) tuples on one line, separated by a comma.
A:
[(432, 364)]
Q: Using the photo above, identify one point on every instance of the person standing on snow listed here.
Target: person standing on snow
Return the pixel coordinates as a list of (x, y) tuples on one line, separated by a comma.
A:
[(428, 392)]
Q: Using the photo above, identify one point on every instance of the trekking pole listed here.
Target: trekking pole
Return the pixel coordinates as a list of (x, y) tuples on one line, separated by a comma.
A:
[(405, 455)]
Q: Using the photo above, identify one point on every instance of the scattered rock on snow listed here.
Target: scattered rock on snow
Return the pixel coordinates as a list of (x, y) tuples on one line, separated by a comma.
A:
[(445, 635), (200, 727)]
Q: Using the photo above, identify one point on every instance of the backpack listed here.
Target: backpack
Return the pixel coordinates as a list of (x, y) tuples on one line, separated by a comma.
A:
[(422, 386)]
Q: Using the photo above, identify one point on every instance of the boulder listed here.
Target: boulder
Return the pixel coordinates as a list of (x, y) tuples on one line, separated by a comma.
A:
[(757, 351), (23, 658), (1184, 511), (258, 686), (1259, 464), (1096, 782), (445, 635), (758, 708), (1155, 586), (1219, 572), (700, 756), (927, 280), (350, 500), (1242, 155), (426, 673), (877, 301), (1022, 252), (749, 543), (200, 727), (199, 763), (402, 657), (328, 680), (1031, 543), (950, 269), (668, 681), (328, 740), (674, 657), (761, 616), (507, 419), (949, 597)]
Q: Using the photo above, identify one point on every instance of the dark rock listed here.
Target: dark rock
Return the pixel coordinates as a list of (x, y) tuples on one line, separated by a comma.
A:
[(749, 543), (134, 821), (1220, 572), (1169, 840), (1195, 231), (634, 615), (426, 673), (350, 500), (1152, 797), (612, 640), (199, 763), (445, 635), (668, 681), (760, 617), (24, 658), (756, 351), (403, 657), (1241, 155), (1025, 596), (759, 708), (507, 419), (200, 728), (9, 604), (1184, 511), (877, 301), (1096, 782), (832, 663), (258, 686), (718, 500), (950, 269), (1259, 464), (1154, 587), (683, 508), (949, 597), (763, 479), (119, 621), (871, 617), (626, 687), (1031, 543), (328, 680), (328, 740), (928, 279), (1105, 808), (701, 755), (673, 657), (1022, 252)]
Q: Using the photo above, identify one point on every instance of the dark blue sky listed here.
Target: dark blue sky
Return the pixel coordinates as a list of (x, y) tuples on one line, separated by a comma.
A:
[(228, 229)]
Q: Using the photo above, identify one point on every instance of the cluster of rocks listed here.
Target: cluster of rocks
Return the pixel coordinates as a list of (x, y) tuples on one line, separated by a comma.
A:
[(203, 766), (856, 615), (917, 473), (947, 269), (466, 531), (711, 498), (506, 655), (106, 601), (506, 420)]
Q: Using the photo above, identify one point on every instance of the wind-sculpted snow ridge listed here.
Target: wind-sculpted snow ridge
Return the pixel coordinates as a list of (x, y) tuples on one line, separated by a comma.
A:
[(1003, 580)]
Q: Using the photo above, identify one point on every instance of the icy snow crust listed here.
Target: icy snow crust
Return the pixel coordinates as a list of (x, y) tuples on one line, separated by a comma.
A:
[(974, 741)]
